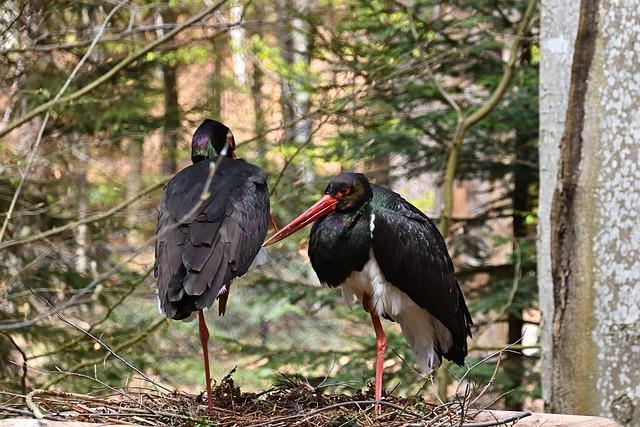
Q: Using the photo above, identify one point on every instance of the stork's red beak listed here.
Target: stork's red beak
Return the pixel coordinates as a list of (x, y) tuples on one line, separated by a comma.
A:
[(319, 209)]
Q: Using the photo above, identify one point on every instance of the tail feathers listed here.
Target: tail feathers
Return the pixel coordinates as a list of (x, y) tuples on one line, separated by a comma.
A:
[(428, 360), (260, 259), (176, 304), (458, 350)]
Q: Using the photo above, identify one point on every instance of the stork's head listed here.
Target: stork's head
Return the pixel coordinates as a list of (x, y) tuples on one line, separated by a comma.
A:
[(345, 192), (349, 190), (212, 138)]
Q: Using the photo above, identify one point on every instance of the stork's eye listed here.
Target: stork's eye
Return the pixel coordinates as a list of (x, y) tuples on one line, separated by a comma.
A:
[(344, 191)]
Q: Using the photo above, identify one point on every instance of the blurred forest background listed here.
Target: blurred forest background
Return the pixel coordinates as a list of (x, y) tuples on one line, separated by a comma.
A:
[(437, 100)]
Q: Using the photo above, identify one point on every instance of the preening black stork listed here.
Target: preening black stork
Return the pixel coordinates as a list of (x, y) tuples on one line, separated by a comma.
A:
[(385, 252), (213, 219)]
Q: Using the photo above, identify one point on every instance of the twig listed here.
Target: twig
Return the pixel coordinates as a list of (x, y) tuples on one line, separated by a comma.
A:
[(441, 91), (492, 355), (93, 218), (517, 274), (112, 72), (129, 32), (32, 406), (23, 379), (102, 383), (295, 154), (14, 20), (113, 350), (338, 405), (514, 348), (15, 410), (33, 263), (110, 310), (488, 384), (73, 300), (66, 84)]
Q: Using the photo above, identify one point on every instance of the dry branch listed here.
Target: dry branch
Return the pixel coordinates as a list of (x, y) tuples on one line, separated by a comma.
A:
[(112, 350), (93, 218), (43, 125), (112, 72), (477, 115), (293, 403)]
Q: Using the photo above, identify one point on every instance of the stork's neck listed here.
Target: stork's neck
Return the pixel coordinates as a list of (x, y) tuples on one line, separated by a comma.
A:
[(348, 218), (200, 152)]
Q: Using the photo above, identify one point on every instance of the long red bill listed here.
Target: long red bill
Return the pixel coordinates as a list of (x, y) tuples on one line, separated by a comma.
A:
[(319, 209)]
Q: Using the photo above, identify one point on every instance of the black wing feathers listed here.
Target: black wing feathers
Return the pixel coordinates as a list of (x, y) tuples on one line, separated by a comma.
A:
[(413, 257), (198, 251)]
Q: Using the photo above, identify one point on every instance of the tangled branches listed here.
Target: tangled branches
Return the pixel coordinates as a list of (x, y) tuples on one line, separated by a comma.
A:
[(291, 403)]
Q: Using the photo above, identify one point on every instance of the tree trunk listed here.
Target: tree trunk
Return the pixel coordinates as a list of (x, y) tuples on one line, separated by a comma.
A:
[(590, 228), (259, 124), (134, 185), (217, 85), (522, 201), (285, 43), (171, 118), (257, 85), (82, 243), (236, 36), (294, 100), (171, 123)]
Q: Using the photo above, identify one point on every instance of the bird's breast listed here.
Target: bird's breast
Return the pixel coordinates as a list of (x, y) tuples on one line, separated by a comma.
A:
[(339, 244)]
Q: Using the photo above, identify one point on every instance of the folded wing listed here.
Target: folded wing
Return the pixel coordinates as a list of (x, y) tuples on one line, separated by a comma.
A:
[(413, 257), (208, 237)]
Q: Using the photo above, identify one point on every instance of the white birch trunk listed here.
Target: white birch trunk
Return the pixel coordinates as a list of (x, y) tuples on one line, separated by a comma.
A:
[(590, 284), (237, 40), (558, 28)]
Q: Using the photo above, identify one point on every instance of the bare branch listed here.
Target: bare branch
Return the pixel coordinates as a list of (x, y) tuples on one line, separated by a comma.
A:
[(441, 91), (113, 351), (66, 84), (129, 32), (495, 97), (112, 72), (73, 300), (93, 218), (23, 379), (477, 115)]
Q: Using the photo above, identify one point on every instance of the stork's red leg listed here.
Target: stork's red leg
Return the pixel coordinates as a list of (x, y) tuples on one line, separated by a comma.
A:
[(381, 346), (204, 340), (273, 222)]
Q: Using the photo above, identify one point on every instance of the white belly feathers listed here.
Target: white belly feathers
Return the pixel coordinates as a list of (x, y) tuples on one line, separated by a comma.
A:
[(420, 328)]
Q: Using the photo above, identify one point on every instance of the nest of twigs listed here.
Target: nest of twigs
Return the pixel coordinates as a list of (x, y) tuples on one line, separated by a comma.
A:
[(293, 402)]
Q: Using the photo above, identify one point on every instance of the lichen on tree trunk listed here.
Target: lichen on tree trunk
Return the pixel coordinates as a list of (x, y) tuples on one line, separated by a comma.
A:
[(591, 307)]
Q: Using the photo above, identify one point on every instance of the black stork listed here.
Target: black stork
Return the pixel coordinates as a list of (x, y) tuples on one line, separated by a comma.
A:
[(386, 253), (207, 236)]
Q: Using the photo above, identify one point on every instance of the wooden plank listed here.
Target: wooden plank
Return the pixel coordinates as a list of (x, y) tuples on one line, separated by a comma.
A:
[(538, 419)]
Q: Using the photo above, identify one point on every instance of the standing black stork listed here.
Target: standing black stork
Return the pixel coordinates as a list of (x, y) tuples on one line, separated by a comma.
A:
[(385, 252), (207, 236)]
